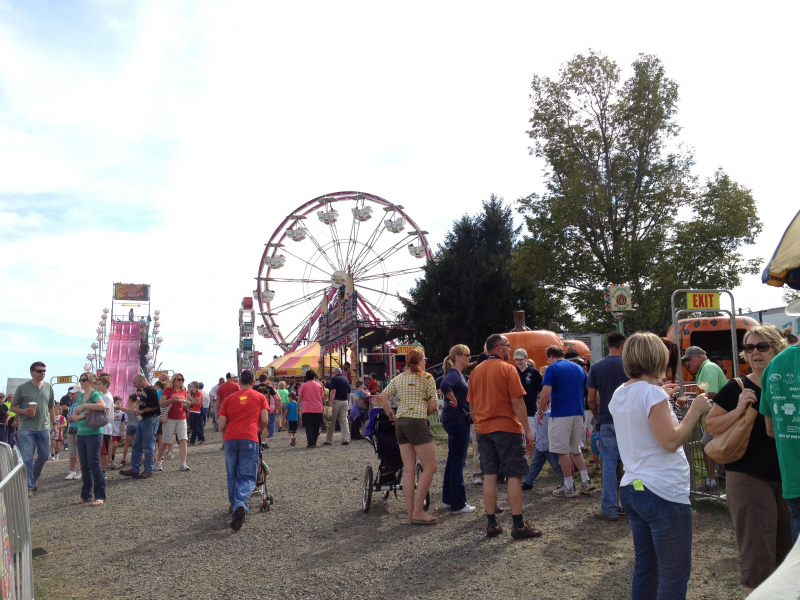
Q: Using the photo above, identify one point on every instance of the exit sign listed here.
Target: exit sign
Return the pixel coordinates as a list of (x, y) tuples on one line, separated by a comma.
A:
[(66, 379), (702, 300)]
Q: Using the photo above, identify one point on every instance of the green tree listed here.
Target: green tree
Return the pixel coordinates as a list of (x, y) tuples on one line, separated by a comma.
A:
[(621, 205), (465, 293)]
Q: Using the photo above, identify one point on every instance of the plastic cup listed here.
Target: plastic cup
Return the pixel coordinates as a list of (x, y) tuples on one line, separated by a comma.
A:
[(33, 406)]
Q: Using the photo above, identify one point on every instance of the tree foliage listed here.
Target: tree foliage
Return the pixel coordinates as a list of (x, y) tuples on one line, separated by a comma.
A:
[(465, 293), (621, 205)]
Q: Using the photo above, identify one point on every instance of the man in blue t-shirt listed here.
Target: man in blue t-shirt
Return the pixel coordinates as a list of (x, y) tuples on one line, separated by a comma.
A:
[(605, 376), (563, 387)]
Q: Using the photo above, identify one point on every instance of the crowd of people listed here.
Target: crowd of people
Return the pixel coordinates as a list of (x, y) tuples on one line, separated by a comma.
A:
[(510, 414)]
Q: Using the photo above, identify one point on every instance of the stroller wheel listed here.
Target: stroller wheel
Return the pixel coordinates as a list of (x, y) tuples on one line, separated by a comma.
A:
[(386, 495), (265, 505), (366, 498), (427, 503)]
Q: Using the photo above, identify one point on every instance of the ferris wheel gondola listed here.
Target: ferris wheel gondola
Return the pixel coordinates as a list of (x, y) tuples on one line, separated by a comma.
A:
[(380, 257)]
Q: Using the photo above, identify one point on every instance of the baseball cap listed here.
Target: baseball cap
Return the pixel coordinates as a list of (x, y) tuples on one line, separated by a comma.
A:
[(75, 390), (228, 376), (693, 351), (520, 353), (200, 385)]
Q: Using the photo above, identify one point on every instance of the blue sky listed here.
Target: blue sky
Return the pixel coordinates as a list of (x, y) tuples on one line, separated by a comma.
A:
[(163, 142)]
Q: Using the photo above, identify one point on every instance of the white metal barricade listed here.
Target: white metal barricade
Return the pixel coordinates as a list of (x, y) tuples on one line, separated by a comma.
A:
[(16, 560)]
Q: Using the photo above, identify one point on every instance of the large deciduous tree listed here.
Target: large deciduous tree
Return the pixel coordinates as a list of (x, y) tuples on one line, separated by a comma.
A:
[(621, 205), (465, 293)]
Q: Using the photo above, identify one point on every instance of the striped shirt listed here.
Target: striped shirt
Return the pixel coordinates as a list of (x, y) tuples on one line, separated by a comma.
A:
[(415, 391)]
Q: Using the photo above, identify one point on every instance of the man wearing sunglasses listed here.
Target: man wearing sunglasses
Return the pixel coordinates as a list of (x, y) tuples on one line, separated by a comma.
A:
[(709, 372), (36, 415)]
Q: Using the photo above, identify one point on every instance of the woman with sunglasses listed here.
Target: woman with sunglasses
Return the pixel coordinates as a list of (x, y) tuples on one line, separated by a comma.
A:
[(89, 442), (174, 397), (760, 515)]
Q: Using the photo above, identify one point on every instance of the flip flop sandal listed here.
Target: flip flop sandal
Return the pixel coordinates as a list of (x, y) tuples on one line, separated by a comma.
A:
[(429, 521), (81, 501)]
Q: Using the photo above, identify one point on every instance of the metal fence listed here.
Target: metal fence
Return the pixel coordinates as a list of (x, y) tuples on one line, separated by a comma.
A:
[(698, 471), (16, 561)]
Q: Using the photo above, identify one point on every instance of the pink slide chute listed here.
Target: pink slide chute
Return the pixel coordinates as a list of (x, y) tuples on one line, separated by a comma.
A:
[(122, 358)]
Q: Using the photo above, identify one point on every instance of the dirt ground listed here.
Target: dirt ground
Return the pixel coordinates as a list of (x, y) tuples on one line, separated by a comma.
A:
[(169, 537)]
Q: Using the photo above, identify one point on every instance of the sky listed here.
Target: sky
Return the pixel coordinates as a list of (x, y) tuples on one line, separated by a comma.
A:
[(163, 142)]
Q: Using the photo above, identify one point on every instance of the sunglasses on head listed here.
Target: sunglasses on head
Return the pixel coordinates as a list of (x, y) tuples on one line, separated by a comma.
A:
[(760, 346)]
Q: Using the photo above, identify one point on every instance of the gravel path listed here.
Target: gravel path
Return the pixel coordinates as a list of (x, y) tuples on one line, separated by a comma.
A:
[(169, 537)]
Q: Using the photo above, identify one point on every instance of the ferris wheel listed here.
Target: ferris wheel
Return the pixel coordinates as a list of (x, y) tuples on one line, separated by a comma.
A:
[(320, 243)]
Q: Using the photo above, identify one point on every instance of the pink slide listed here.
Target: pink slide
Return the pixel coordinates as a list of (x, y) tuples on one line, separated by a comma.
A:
[(122, 358)]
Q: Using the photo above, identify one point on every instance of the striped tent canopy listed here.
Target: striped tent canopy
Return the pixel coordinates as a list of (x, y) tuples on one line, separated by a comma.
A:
[(784, 268), (292, 364)]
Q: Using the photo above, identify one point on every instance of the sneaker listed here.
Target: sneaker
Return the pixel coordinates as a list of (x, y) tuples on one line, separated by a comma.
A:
[(712, 487), (464, 511), (238, 518), (183, 467), (201, 441), (345, 443), (562, 492), (168, 456), (157, 466), (112, 465), (445, 505), (604, 517), (291, 443), (327, 444), (527, 486), (521, 533), (478, 481), (78, 475), (56, 455), (71, 475), (124, 462), (586, 487), (52, 458), (493, 530)]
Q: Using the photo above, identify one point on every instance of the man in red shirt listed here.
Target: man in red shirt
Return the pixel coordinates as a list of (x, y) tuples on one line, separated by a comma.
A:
[(223, 391), (243, 415)]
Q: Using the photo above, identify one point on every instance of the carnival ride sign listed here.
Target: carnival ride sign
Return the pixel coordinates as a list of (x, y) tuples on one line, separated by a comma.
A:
[(702, 300), (132, 291)]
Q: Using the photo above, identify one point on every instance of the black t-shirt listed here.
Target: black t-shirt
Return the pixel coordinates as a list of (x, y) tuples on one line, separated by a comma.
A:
[(761, 457), (267, 390), (65, 401), (149, 399), (342, 387), (532, 382)]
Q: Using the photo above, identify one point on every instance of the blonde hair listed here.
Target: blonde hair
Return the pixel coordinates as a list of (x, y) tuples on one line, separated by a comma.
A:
[(644, 354), (281, 385), (455, 351), (91, 377), (173, 381), (413, 358), (770, 334)]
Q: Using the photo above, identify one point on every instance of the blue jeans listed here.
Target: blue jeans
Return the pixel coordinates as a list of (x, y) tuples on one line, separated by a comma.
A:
[(271, 425), (608, 443), (454, 492), (662, 541), (537, 462), (144, 443), (794, 510), (198, 430), (92, 474), (241, 463), (28, 442)]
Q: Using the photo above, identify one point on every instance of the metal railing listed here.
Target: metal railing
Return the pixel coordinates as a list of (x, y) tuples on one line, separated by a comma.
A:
[(16, 560)]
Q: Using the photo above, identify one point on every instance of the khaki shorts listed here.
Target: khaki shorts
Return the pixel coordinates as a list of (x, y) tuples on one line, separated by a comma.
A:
[(413, 431), (173, 427), (72, 451), (565, 434)]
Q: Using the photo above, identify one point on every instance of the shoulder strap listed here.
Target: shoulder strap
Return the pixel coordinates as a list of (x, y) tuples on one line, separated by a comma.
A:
[(739, 381)]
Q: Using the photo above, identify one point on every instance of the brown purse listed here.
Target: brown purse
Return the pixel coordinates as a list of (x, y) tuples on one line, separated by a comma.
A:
[(730, 445)]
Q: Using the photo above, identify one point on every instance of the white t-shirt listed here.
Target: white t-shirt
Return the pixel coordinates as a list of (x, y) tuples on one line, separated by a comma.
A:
[(206, 398), (666, 474), (109, 400), (119, 417), (213, 391)]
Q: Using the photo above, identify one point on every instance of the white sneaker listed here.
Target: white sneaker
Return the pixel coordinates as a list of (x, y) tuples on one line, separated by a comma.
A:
[(445, 505), (478, 481), (71, 475), (168, 456), (112, 465), (56, 455), (464, 511), (157, 466), (52, 458), (78, 475), (184, 467)]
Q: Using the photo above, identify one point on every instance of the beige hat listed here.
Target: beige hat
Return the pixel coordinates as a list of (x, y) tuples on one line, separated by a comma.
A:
[(520, 353)]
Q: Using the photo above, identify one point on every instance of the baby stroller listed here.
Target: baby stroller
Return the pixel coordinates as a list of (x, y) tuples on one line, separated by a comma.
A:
[(261, 478), (380, 433)]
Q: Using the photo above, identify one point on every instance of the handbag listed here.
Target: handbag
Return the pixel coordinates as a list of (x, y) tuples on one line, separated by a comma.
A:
[(730, 445), (97, 419)]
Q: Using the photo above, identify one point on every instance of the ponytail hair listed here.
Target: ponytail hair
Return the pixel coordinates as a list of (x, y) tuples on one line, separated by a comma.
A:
[(413, 359), (455, 351)]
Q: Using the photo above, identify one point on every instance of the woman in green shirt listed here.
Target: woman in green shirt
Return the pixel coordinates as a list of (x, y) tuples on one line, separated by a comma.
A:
[(89, 442), (284, 394)]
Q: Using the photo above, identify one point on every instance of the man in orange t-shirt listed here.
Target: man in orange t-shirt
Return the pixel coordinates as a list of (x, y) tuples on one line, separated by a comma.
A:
[(242, 416), (496, 401)]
